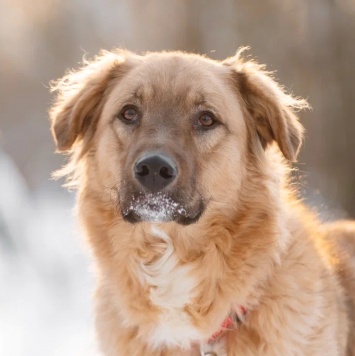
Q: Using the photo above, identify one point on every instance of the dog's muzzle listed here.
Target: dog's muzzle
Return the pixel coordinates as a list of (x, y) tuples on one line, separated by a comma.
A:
[(154, 194)]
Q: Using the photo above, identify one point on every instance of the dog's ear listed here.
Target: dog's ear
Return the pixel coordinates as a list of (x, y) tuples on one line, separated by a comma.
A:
[(80, 98), (271, 110)]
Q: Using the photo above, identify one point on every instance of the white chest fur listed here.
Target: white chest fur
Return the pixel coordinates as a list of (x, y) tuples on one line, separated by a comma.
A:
[(172, 287)]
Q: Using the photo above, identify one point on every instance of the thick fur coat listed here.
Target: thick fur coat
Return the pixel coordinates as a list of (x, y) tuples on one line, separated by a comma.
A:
[(227, 233)]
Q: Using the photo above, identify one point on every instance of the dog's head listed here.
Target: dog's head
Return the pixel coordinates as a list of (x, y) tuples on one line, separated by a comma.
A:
[(170, 133)]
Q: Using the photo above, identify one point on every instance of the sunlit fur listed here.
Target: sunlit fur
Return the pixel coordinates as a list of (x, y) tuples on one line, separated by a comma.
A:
[(164, 289)]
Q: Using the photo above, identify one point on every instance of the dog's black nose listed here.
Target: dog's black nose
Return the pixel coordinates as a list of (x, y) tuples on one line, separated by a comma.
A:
[(155, 171)]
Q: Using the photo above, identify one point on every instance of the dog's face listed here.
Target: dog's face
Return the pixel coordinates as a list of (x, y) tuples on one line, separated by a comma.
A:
[(170, 132), (173, 122)]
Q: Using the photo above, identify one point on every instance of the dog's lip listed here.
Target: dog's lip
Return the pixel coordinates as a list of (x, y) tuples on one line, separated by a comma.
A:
[(154, 207), (190, 219), (133, 218), (161, 208)]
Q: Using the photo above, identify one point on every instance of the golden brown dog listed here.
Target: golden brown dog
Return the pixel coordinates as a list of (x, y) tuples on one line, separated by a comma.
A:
[(199, 243)]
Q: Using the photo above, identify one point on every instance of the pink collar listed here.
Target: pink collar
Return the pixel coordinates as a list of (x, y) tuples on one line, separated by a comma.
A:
[(235, 318)]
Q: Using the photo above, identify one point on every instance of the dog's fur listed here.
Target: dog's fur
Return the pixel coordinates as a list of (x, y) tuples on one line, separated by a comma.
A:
[(165, 287)]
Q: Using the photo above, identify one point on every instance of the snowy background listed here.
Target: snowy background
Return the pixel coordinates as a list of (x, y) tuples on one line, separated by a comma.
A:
[(46, 280)]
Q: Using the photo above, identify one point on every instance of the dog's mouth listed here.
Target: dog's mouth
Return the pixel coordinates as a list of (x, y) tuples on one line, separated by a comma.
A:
[(160, 208)]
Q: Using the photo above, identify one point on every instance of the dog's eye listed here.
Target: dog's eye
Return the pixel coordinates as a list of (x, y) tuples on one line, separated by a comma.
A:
[(206, 120), (129, 115)]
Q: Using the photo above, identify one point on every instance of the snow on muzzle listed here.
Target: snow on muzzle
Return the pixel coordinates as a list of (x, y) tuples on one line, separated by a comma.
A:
[(155, 207)]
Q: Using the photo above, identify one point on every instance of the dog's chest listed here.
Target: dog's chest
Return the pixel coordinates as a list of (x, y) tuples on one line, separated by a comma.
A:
[(171, 286)]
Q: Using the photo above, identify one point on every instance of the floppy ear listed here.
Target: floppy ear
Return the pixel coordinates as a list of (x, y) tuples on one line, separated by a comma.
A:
[(271, 110), (80, 98)]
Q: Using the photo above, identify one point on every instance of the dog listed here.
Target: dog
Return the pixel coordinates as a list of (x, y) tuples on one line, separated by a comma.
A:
[(200, 241)]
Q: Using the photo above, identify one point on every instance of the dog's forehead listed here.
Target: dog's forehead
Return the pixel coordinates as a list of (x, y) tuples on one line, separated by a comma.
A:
[(178, 78)]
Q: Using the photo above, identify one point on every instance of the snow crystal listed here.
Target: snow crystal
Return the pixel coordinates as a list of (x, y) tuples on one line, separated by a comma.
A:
[(155, 207)]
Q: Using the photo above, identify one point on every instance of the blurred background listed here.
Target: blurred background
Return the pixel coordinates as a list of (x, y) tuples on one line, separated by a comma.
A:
[(45, 278)]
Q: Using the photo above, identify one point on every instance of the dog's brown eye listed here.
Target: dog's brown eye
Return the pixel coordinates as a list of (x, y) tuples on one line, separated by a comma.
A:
[(130, 115), (206, 120)]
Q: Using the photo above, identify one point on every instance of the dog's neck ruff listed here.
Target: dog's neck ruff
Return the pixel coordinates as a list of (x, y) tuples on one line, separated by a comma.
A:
[(233, 320)]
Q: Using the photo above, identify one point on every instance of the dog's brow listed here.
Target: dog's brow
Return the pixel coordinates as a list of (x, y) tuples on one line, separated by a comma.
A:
[(200, 100), (143, 93), (138, 94), (203, 103)]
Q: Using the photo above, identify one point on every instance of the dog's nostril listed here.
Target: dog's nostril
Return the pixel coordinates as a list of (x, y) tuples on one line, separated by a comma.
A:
[(142, 171), (164, 172), (155, 171)]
